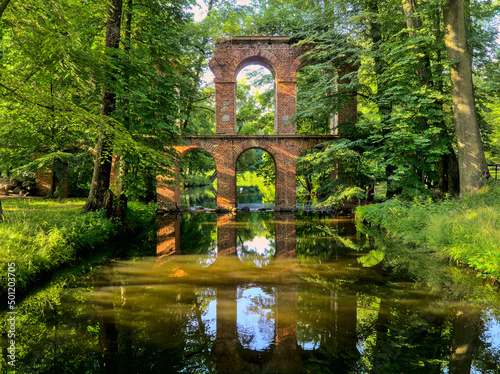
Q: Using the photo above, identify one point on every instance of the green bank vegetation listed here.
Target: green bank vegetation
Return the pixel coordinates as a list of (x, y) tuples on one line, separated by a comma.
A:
[(465, 230), (40, 236)]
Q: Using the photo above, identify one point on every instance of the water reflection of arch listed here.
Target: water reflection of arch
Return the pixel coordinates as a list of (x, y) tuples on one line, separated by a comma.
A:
[(173, 190), (287, 352), (229, 354), (338, 337), (168, 235)]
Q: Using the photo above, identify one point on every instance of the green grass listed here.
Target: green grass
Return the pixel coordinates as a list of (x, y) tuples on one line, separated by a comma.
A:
[(41, 235), (249, 179), (465, 230)]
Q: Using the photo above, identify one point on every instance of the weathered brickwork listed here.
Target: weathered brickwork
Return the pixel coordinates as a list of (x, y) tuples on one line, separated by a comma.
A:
[(227, 149), (168, 235), (226, 234), (286, 243), (43, 179), (46, 180), (275, 53), (283, 60)]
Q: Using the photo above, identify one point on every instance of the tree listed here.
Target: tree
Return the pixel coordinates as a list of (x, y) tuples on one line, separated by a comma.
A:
[(472, 162), (48, 95), (153, 86), (100, 195)]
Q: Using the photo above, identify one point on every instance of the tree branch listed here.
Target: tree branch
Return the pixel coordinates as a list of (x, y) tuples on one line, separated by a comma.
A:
[(206, 108), (31, 102), (203, 98)]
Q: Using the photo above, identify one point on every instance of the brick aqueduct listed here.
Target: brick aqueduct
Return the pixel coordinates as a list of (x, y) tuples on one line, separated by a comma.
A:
[(283, 60)]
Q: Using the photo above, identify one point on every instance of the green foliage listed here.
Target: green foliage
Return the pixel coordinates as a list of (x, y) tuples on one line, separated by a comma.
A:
[(252, 160), (266, 192), (343, 196), (42, 235), (198, 233), (255, 111), (402, 83), (267, 169), (353, 172), (196, 168), (465, 230), (53, 67)]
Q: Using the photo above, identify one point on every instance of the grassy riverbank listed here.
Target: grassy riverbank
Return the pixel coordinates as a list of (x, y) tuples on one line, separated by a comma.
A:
[(41, 235), (465, 230)]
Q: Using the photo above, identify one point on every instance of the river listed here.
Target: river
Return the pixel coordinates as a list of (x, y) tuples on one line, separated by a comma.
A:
[(263, 292)]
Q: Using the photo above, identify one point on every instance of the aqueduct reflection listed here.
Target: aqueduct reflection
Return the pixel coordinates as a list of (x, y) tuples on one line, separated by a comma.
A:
[(261, 324)]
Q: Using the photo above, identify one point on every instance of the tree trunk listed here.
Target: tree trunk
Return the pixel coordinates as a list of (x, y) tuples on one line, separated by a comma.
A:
[(3, 5), (448, 170), (473, 170), (100, 195), (197, 74), (414, 23), (464, 340), (448, 166)]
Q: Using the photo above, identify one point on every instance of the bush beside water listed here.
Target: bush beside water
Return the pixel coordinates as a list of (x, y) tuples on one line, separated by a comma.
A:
[(465, 230), (41, 235)]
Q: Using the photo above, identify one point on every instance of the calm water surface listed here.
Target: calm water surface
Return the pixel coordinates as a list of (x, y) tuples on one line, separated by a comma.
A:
[(265, 293)]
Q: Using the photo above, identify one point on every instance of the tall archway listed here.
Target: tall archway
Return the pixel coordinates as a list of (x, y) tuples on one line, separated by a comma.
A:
[(255, 179), (255, 101), (284, 59)]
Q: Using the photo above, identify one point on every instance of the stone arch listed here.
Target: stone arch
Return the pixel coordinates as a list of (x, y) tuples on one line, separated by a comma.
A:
[(265, 59), (262, 146), (299, 63), (241, 148)]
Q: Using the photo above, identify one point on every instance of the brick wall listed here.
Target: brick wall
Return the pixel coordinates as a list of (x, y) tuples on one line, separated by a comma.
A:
[(226, 235), (275, 53), (43, 180), (226, 149), (286, 240)]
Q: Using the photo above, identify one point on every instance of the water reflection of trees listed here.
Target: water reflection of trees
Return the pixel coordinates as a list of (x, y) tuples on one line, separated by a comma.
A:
[(198, 233), (256, 316), (256, 235), (407, 313)]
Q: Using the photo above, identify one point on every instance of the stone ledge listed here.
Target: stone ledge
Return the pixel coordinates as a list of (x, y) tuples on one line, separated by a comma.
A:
[(255, 38), (261, 137)]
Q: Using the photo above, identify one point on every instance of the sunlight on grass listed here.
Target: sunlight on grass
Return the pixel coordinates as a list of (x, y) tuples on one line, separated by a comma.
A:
[(466, 230), (39, 235)]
